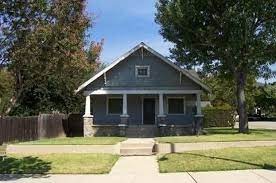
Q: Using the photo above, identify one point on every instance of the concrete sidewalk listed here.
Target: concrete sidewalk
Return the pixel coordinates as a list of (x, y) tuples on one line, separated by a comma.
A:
[(138, 169)]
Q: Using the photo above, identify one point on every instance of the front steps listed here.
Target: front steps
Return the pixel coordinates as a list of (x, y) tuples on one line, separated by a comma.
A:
[(137, 147)]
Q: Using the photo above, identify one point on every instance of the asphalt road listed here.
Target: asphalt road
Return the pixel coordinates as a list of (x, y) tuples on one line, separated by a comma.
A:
[(260, 125)]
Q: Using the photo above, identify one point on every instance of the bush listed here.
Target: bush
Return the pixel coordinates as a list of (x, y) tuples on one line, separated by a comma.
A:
[(218, 117)]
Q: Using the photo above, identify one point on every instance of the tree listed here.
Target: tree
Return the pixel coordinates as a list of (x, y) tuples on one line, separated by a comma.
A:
[(266, 99), (233, 38), (221, 96), (43, 47), (6, 90), (93, 55)]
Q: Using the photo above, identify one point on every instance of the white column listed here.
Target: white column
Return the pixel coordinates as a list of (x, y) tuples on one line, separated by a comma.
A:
[(87, 107), (161, 105), (124, 104), (198, 104)]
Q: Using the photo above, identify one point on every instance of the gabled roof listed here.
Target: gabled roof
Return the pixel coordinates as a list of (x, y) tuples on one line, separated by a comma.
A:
[(143, 45)]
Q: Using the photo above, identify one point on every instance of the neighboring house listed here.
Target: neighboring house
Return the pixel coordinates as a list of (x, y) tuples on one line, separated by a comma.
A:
[(142, 92)]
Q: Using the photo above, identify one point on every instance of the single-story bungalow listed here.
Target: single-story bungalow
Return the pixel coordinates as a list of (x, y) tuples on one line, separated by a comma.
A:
[(142, 93)]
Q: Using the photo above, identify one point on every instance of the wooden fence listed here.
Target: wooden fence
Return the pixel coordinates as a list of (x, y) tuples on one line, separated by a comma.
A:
[(32, 128)]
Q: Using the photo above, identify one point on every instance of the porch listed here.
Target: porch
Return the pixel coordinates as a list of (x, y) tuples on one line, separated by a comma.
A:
[(142, 113)]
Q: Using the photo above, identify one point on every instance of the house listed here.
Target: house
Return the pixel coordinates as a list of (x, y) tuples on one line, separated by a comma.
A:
[(142, 93)]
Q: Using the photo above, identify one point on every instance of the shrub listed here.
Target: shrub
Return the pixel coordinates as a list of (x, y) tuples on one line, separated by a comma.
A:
[(218, 117)]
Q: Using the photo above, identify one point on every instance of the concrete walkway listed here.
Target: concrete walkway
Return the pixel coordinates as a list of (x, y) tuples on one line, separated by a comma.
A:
[(139, 169)]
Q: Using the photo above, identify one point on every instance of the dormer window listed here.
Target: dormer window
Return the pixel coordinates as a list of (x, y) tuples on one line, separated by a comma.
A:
[(142, 71)]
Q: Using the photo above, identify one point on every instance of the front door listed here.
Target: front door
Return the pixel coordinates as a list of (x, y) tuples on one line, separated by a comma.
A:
[(149, 111)]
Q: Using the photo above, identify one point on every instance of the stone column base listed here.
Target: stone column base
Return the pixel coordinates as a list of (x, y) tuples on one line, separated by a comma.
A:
[(123, 124), (161, 119), (198, 124), (122, 130), (124, 119), (87, 126)]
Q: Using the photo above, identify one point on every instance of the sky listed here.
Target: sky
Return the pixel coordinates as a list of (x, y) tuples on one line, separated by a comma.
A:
[(125, 23)]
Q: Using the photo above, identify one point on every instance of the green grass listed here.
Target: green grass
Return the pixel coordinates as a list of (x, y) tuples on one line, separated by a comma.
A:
[(222, 135), (2, 148), (58, 164), (77, 141), (216, 160)]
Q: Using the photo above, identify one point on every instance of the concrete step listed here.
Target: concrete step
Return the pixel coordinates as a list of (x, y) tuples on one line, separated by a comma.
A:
[(145, 151), (137, 146)]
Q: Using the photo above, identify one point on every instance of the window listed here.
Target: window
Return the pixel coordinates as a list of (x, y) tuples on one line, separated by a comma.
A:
[(114, 105), (176, 105), (142, 71)]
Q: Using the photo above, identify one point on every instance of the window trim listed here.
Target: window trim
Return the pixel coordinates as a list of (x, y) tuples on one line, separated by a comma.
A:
[(141, 67), (107, 104), (184, 105)]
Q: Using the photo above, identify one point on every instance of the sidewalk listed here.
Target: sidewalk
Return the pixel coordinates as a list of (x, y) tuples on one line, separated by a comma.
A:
[(139, 169)]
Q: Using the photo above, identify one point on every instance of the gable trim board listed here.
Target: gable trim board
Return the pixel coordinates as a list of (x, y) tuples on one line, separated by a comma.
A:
[(143, 45), (116, 92)]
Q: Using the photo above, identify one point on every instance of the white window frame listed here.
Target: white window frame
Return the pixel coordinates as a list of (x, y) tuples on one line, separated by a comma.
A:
[(142, 67), (184, 105), (107, 104)]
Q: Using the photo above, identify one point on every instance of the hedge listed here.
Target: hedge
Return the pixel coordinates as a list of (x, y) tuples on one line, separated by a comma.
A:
[(218, 117)]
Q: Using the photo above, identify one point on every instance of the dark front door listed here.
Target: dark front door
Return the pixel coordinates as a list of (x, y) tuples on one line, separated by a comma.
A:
[(149, 111)]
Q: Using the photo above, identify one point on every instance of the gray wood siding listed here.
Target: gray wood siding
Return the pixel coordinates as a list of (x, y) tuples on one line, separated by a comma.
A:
[(162, 75), (181, 119), (134, 105)]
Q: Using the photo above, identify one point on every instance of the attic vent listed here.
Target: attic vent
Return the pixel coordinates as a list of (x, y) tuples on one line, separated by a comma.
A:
[(142, 71)]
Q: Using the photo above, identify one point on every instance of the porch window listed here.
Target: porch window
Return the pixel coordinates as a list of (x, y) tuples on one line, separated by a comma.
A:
[(176, 105), (142, 71), (114, 105)]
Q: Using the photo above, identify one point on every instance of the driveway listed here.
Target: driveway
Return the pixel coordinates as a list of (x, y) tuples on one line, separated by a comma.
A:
[(260, 124), (139, 169)]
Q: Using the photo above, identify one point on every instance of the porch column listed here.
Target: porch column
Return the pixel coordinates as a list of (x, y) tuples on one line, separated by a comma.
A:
[(161, 105), (124, 117), (87, 107), (198, 122), (87, 119), (124, 104), (161, 116), (198, 104)]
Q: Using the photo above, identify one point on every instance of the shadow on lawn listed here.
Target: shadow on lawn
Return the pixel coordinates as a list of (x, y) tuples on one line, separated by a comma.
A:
[(15, 168), (263, 166)]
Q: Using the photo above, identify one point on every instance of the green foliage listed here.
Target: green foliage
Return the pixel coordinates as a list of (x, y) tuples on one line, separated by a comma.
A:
[(228, 36), (266, 99), (44, 49), (6, 90), (232, 38), (218, 117), (224, 91)]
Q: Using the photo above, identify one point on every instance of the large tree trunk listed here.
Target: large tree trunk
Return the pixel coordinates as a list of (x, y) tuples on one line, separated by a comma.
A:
[(243, 119)]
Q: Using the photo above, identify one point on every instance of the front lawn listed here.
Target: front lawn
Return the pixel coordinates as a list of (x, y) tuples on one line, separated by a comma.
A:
[(222, 159), (77, 141), (2, 148), (58, 164), (222, 135)]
